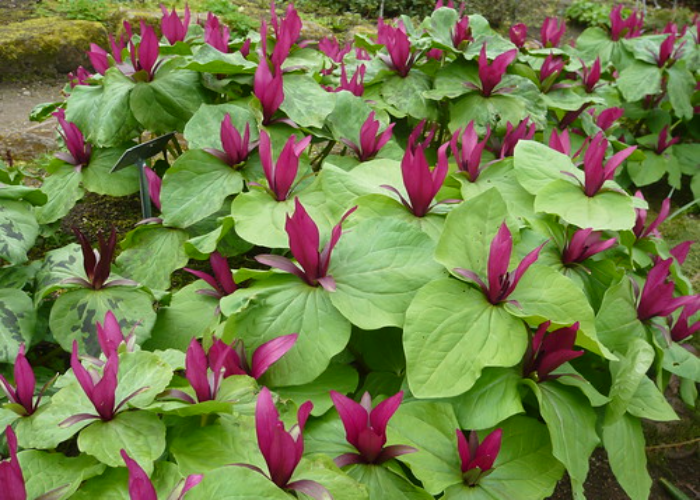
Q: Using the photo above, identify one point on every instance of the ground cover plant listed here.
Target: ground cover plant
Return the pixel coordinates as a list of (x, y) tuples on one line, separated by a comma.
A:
[(422, 265)]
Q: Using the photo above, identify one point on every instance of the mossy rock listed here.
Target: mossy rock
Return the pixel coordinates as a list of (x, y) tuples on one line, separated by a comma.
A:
[(46, 47)]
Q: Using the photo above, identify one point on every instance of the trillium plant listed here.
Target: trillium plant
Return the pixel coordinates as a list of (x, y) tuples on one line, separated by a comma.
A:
[(423, 261)]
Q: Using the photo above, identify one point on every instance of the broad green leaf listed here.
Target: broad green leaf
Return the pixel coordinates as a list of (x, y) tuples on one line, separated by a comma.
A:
[(648, 402), (430, 428), (63, 190), (229, 440), (140, 433), (236, 483), (494, 111), (682, 362), (442, 22), (493, 398), (151, 254), (378, 267), (195, 187), (380, 205), (468, 232), (607, 210), (112, 122), (341, 190), (652, 169), (452, 333), (544, 294), (183, 409), (536, 165), (139, 370), (75, 313), (17, 322), (571, 423), (347, 117), (290, 306), (113, 484), (326, 435), (18, 230), (384, 484), (524, 469), (58, 265), (450, 79), (204, 128), (207, 59), (44, 472), (627, 374), (260, 219), (305, 102), (188, 316), (577, 380), (565, 99), (617, 322), (340, 378), (680, 90), (82, 106), (639, 79), (406, 95), (33, 195), (322, 470), (624, 443), (98, 179), (169, 101)]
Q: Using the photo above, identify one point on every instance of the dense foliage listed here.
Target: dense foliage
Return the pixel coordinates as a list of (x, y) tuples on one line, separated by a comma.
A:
[(449, 290)]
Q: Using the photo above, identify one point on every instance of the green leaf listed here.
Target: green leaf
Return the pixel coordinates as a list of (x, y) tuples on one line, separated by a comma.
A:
[(536, 165), (341, 378), (112, 122), (82, 106), (188, 316), (544, 294), (380, 205), (627, 375), (471, 225), (378, 267), (565, 99), (430, 428), (59, 264), (151, 254), (63, 190), (347, 117), (305, 102), (195, 187), (607, 210), (169, 101), (624, 443), (17, 322), (18, 230), (33, 195), (639, 79), (594, 397), (386, 485), (494, 111), (524, 469), (571, 424), (266, 311), (207, 59), (680, 90), (236, 483), (113, 484), (407, 95), (260, 218), (98, 179), (44, 472), (204, 128), (141, 370), (648, 402), (682, 362), (493, 398), (617, 322), (140, 433), (75, 313), (452, 333), (652, 169), (322, 470), (450, 80)]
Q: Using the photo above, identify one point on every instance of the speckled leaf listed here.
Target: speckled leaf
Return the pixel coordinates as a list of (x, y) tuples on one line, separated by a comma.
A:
[(18, 230), (17, 321)]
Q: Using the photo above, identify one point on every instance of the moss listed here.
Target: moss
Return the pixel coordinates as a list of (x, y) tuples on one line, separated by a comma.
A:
[(46, 46)]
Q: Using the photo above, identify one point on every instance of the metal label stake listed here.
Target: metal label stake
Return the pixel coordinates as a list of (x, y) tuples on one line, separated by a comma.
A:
[(138, 156)]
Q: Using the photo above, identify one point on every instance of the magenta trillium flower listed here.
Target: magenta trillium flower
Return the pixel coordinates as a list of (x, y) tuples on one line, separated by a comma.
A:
[(682, 328), (303, 243), (145, 57), (21, 395), (370, 141), (491, 74), (331, 48), (110, 337), (97, 265), (523, 132), (79, 151), (365, 429), (235, 360), (174, 29), (640, 229), (422, 184), (549, 350), (287, 31), (400, 58), (595, 173), (657, 295), (477, 459), (501, 283), (590, 75), (282, 449), (155, 184), (355, 85), (222, 281), (281, 174), (203, 372), (518, 34), (216, 34), (631, 27), (461, 32), (608, 117), (666, 53), (584, 244), (662, 144), (550, 71), (80, 77), (468, 156), (235, 148), (11, 478), (268, 88), (552, 31), (141, 487), (560, 141)]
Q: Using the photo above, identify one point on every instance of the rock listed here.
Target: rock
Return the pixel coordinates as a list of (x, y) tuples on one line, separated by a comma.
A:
[(314, 31), (45, 47)]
